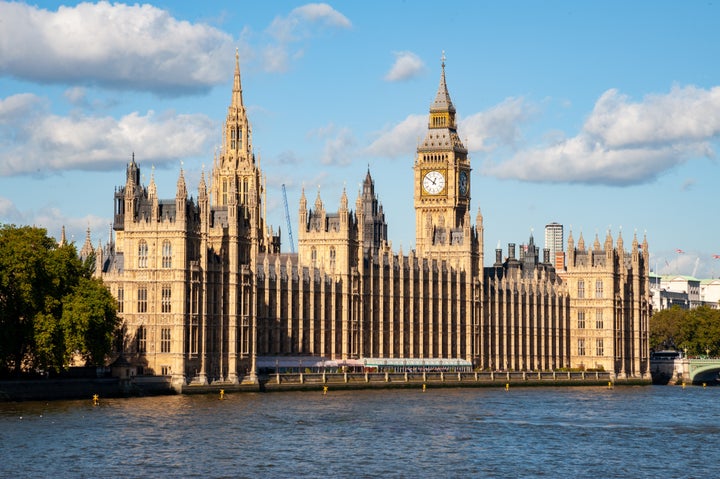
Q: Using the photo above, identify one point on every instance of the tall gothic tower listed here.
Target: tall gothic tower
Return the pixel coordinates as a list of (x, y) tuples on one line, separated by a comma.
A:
[(442, 181), (237, 182)]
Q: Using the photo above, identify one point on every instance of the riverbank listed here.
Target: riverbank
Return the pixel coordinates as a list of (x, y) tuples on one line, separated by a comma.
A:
[(80, 388), (55, 389), (395, 380)]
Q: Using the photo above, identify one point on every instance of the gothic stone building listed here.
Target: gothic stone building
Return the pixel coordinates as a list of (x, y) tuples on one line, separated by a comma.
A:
[(206, 295)]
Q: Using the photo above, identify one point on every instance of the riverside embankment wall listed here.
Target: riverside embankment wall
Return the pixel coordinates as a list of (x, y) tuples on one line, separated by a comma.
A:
[(86, 388)]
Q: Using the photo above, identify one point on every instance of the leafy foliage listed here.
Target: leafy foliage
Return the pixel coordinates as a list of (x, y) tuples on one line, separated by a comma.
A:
[(697, 330), (89, 320), (50, 307)]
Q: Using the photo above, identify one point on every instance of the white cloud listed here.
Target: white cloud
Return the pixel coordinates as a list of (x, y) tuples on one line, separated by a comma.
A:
[(683, 115), (624, 143), (339, 144), (301, 23), (112, 45), (407, 65), (53, 220), (484, 131), (338, 150), (498, 126), (401, 140), (700, 264), (9, 213), (34, 141), (76, 96), (688, 184), (322, 13), (16, 107)]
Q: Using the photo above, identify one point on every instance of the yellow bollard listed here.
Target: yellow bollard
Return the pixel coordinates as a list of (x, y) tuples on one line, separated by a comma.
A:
[(96, 399), (610, 386), (325, 390), (507, 386), (222, 394), (424, 387), (683, 384)]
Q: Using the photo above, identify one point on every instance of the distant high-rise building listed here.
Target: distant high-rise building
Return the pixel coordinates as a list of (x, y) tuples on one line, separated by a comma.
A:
[(554, 242)]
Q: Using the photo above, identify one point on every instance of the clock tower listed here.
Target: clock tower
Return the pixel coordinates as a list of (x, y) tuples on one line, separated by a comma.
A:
[(442, 183)]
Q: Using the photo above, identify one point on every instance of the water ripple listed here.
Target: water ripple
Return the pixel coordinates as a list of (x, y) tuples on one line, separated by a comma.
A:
[(533, 432)]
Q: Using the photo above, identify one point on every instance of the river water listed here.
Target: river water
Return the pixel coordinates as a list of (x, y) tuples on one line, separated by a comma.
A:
[(626, 432)]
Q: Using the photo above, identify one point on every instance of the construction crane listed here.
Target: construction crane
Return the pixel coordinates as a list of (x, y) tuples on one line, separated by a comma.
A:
[(287, 218)]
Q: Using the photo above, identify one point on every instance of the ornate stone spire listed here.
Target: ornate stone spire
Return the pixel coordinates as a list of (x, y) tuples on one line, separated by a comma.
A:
[(87, 247), (303, 199), (479, 218), (202, 189), (181, 188), (608, 240), (344, 201), (237, 100), (318, 201), (152, 187), (442, 102), (133, 172)]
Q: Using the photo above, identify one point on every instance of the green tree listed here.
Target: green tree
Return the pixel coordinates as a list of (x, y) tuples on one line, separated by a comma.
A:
[(89, 321), (701, 330), (39, 280), (23, 287), (63, 271), (697, 330), (665, 330)]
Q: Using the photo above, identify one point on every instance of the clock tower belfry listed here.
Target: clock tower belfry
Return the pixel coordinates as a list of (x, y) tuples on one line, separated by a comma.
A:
[(442, 183)]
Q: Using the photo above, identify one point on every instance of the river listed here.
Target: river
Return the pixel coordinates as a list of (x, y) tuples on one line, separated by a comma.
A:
[(573, 432)]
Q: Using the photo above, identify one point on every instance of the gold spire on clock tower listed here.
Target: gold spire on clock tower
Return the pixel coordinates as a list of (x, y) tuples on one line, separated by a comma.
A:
[(442, 178)]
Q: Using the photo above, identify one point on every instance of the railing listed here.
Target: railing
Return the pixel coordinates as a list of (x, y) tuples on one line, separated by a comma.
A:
[(438, 377)]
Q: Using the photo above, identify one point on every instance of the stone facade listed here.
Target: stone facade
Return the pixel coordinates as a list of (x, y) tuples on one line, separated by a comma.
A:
[(609, 305), (206, 294)]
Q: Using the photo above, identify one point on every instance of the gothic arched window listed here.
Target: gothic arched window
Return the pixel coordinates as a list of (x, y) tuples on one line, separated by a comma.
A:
[(142, 254), (166, 254)]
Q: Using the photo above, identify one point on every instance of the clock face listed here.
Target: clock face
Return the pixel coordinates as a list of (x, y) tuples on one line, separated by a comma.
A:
[(434, 182), (463, 183)]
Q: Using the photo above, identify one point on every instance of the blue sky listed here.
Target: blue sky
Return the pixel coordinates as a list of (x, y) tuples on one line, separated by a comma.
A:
[(597, 115)]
